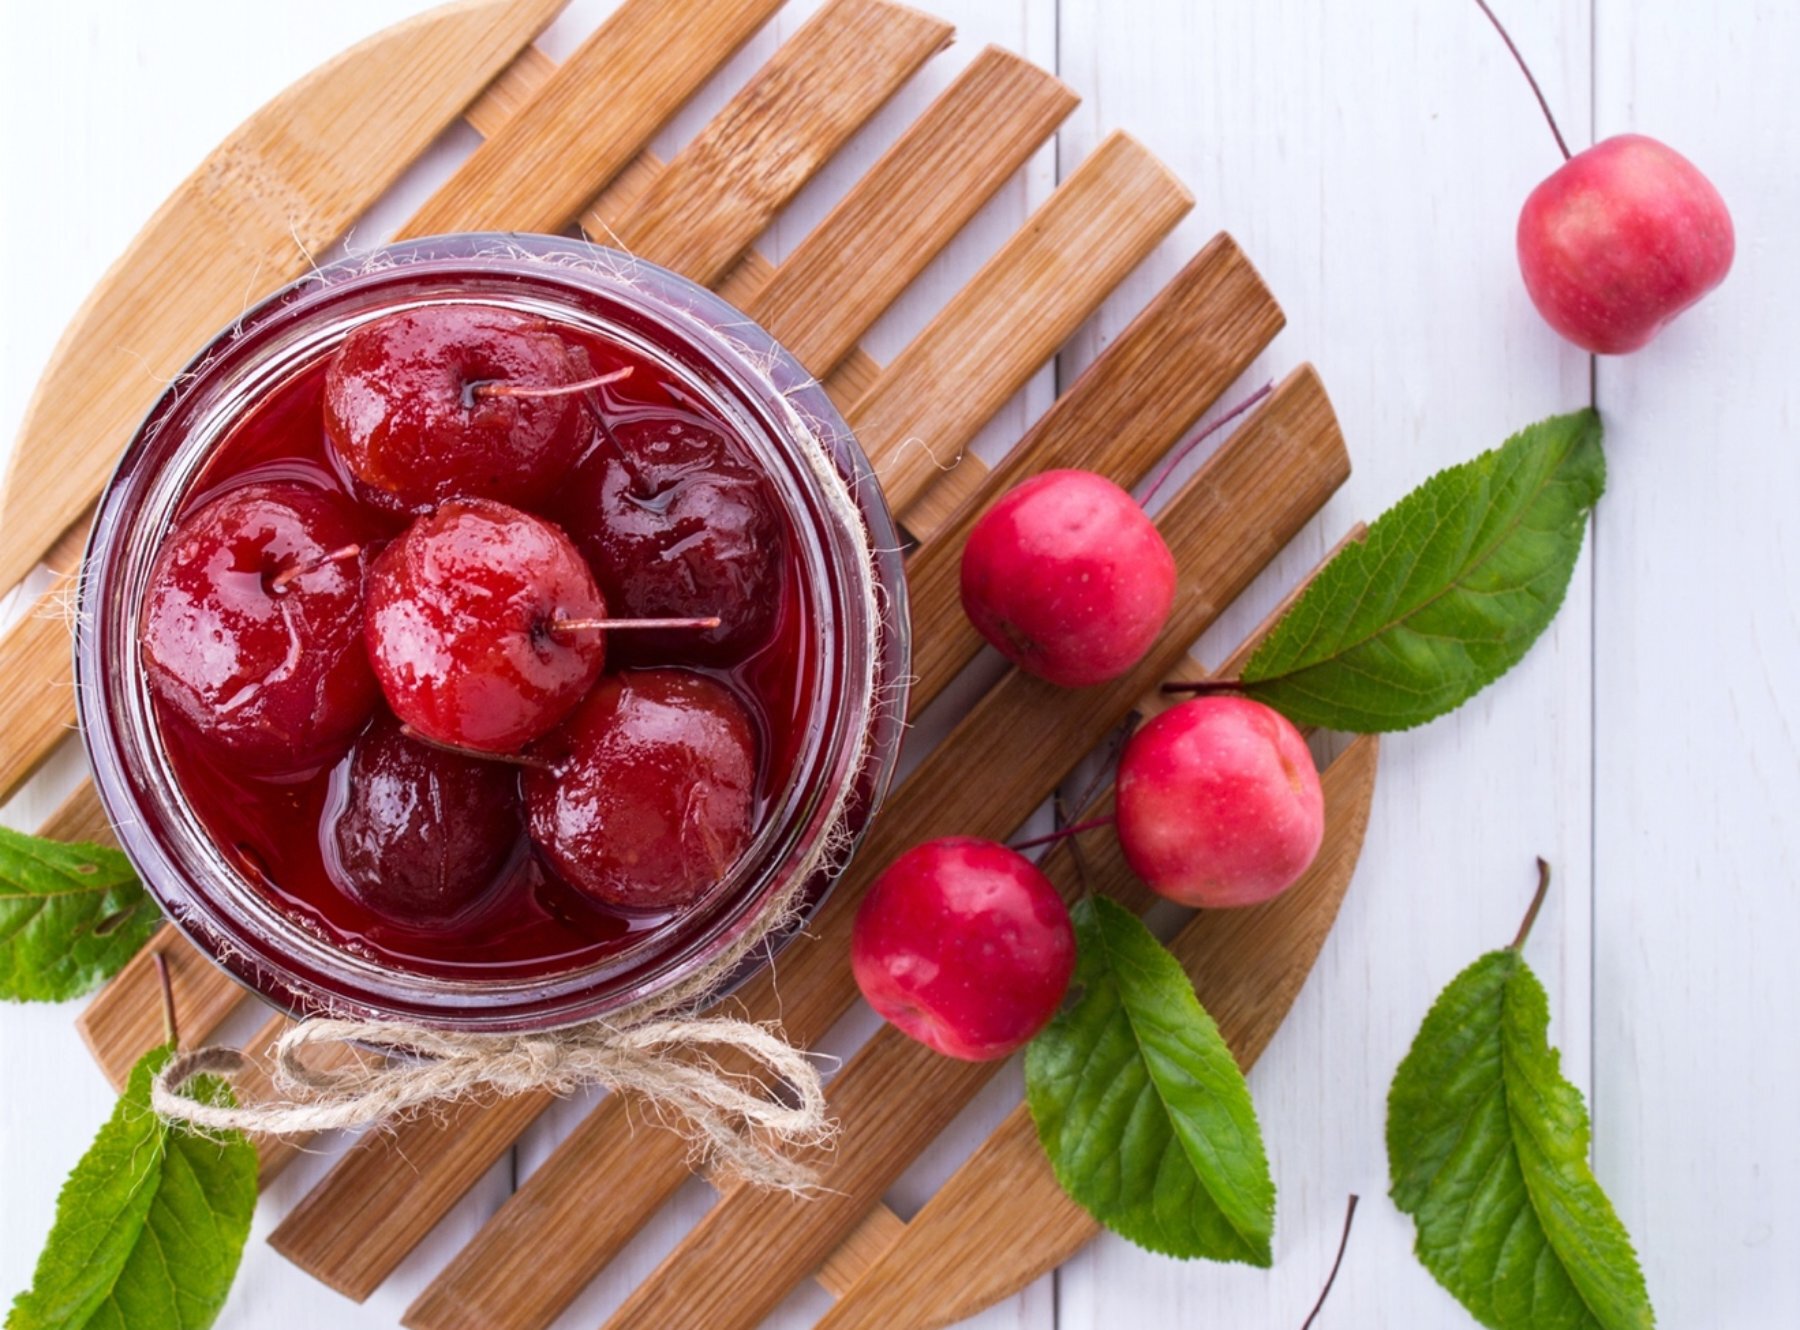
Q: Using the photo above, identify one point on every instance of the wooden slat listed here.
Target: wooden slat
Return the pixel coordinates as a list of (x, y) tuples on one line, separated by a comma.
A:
[(877, 1231), (283, 187), (723, 189), (592, 116), (1135, 401), (1226, 523), (274, 1153), (1023, 304), (924, 190), (750, 1250), (1002, 1220), (124, 1019), (37, 676)]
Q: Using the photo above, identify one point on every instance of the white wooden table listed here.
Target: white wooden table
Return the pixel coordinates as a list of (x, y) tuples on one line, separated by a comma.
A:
[(1371, 159)]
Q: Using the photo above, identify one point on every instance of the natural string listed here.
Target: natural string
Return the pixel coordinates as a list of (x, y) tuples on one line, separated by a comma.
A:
[(740, 1121)]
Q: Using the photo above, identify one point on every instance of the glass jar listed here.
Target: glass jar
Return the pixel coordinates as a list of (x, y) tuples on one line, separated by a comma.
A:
[(850, 717)]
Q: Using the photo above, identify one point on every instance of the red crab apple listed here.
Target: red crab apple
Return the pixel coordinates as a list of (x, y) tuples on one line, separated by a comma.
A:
[(466, 623), (1067, 578), (1621, 239), (965, 946), (646, 796), (1218, 803), (252, 626)]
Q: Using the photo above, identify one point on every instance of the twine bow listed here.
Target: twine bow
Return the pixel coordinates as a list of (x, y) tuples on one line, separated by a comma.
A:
[(739, 1120)]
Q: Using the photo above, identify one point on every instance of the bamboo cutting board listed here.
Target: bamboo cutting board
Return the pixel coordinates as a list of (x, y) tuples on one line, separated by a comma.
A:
[(564, 145)]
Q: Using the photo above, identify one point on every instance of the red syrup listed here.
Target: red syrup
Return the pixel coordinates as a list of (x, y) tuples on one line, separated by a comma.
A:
[(529, 922)]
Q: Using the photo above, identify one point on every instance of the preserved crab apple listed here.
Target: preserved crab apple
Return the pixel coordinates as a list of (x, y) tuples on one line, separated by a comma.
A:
[(646, 796), (422, 833), (454, 400), (252, 626), (675, 525), (464, 626)]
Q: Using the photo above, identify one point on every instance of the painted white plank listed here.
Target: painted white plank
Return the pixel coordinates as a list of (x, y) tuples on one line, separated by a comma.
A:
[(1371, 159), (1698, 847)]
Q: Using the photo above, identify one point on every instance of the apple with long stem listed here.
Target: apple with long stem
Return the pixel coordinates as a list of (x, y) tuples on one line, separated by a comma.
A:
[(1620, 238)]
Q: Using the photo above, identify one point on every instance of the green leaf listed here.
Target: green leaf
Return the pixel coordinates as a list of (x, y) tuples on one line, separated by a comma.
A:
[(1488, 1146), (1141, 1107), (1447, 591), (70, 917), (150, 1226)]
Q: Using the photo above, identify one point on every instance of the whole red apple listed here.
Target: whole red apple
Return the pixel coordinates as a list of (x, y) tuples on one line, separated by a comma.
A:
[(1620, 240), (965, 946), (1219, 803), (1068, 578)]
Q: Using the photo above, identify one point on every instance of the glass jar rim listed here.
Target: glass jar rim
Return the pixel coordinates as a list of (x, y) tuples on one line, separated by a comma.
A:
[(854, 750)]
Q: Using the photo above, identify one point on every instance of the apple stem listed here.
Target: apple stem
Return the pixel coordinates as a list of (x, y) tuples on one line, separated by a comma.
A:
[(495, 388), (1537, 903), (1330, 1279), (170, 1034), (1050, 838), (599, 625), (279, 582), (1543, 102), (1205, 687), (1182, 453), (481, 754)]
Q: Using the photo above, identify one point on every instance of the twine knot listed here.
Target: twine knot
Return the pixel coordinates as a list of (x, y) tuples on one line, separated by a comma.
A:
[(741, 1120)]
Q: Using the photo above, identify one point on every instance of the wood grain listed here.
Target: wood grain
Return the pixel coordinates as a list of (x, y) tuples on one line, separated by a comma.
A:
[(1023, 304), (1002, 1219), (724, 188), (280, 189), (902, 212), (1130, 406), (596, 112)]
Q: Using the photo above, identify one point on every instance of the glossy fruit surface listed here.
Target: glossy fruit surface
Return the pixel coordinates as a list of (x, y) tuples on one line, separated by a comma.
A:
[(676, 525), (965, 946), (404, 414), (650, 792), (252, 628), (421, 833), (1619, 240), (461, 625), (1068, 578), (1219, 803)]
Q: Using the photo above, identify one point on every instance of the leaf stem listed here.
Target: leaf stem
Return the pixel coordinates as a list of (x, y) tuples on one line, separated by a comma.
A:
[(1543, 103), (171, 1035), (1537, 903), (1330, 1279)]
